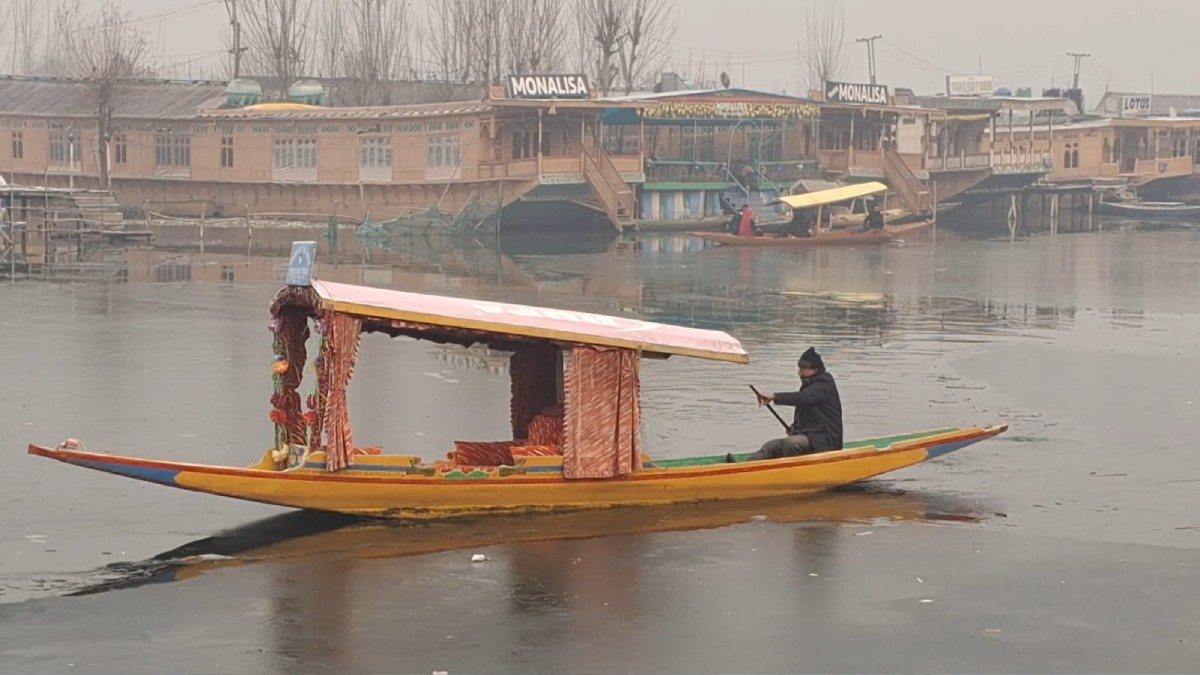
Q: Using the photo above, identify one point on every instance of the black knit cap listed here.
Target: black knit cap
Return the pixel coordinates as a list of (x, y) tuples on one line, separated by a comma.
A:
[(811, 359)]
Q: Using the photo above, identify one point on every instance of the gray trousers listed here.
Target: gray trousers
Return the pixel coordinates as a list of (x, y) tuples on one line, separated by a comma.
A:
[(783, 447)]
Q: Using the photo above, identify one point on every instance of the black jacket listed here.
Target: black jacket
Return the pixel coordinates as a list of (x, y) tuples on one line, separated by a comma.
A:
[(818, 411)]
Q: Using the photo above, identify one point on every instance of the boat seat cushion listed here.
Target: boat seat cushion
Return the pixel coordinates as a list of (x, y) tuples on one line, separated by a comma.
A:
[(484, 453), (533, 450), (547, 428)]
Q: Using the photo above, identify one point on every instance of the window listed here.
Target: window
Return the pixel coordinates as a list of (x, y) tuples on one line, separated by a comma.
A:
[(523, 144), (173, 150), (64, 148), (375, 158), (295, 159), (227, 152), (443, 151), (375, 152), (18, 145), (120, 149)]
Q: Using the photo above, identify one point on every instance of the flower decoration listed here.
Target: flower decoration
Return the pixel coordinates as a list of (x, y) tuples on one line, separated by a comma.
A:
[(310, 418), (730, 110), (280, 366), (311, 402), (278, 416)]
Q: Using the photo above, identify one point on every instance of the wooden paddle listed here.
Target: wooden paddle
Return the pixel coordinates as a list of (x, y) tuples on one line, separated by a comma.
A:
[(786, 426)]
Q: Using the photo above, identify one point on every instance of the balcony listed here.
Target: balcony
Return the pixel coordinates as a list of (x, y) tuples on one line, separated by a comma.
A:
[(968, 162), (1167, 167), (559, 169)]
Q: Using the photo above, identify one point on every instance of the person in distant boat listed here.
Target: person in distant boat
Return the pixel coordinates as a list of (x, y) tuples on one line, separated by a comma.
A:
[(800, 225), (817, 424), (874, 220), (746, 224)]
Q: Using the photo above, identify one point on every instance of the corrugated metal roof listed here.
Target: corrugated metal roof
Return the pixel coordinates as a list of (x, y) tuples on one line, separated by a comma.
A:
[(373, 112), (140, 99)]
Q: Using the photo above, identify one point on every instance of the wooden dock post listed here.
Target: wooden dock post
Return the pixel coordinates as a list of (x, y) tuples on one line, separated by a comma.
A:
[(203, 210)]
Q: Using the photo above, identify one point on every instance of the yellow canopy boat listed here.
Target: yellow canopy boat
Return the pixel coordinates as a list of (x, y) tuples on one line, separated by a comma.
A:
[(576, 422)]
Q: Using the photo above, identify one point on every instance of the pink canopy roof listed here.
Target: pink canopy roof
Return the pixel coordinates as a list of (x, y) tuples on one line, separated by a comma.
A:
[(537, 322)]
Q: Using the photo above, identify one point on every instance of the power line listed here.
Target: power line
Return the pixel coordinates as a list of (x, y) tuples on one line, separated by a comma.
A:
[(170, 13)]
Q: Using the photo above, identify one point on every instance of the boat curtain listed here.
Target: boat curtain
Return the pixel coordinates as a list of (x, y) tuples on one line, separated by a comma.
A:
[(533, 370), (292, 333), (339, 352), (603, 413)]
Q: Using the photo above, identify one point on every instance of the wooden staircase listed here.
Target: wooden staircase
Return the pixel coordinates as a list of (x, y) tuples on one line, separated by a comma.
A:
[(99, 210), (914, 195), (612, 192)]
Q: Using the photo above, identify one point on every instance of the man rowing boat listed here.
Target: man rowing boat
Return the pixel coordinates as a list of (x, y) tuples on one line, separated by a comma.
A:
[(817, 424)]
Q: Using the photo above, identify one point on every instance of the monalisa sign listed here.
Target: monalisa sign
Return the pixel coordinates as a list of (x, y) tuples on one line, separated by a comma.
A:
[(548, 86), (844, 92)]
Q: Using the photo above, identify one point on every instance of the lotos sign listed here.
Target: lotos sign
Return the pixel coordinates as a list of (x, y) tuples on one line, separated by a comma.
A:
[(1132, 106), (548, 86), (844, 92)]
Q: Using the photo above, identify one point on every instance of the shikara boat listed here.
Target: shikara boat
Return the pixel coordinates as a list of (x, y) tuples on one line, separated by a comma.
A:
[(575, 417), (832, 227), (843, 237), (1151, 209)]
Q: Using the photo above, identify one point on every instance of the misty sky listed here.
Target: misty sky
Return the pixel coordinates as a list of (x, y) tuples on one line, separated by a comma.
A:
[(1020, 42)]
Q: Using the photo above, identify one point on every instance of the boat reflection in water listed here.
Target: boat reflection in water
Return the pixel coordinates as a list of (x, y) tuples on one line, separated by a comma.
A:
[(327, 538)]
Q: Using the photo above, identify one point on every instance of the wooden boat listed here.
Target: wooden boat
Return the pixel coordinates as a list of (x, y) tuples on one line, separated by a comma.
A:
[(833, 238), (576, 423), (1150, 209)]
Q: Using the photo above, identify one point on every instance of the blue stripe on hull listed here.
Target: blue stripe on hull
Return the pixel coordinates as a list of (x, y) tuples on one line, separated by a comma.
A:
[(161, 476), (947, 448)]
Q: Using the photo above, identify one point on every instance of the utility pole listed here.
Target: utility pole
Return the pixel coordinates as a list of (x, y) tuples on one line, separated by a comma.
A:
[(870, 53), (231, 7), (1078, 57)]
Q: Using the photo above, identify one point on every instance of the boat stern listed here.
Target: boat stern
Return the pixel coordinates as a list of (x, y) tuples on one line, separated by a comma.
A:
[(943, 447)]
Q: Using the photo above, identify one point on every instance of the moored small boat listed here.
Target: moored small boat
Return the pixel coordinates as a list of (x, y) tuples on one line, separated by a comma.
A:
[(576, 422), (844, 237), (1151, 209)]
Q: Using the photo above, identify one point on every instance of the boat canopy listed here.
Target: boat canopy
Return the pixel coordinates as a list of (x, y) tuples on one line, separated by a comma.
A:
[(542, 323), (840, 194)]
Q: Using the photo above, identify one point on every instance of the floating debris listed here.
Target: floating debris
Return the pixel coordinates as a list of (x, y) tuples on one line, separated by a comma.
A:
[(478, 558)]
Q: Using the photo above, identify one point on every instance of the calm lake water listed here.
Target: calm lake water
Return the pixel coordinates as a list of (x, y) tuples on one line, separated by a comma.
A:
[(1070, 544)]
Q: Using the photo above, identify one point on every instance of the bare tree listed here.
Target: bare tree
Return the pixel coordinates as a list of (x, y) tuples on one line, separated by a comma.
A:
[(377, 42), (330, 34), (26, 34), (535, 35), (451, 38), (648, 25), (65, 19), (105, 51), (603, 27), (824, 52), (277, 37)]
